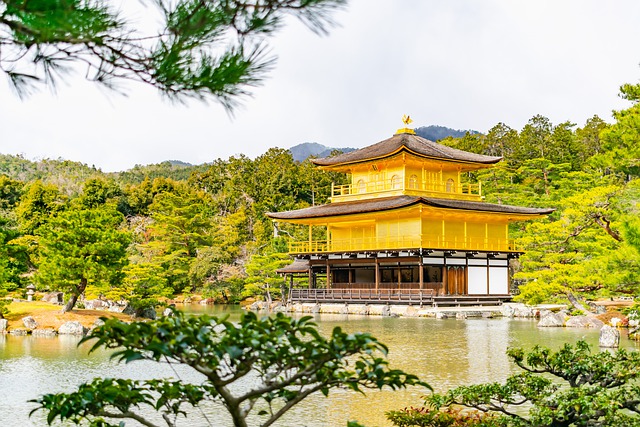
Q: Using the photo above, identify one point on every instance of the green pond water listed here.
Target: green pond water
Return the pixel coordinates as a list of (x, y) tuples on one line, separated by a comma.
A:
[(445, 353)]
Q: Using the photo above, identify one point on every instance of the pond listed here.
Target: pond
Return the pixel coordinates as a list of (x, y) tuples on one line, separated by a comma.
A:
[(445, 353)]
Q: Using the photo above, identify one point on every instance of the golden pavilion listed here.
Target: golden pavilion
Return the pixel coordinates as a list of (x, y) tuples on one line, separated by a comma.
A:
[(405, 229)]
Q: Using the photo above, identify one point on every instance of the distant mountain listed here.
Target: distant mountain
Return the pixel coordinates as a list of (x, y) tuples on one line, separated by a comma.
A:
[(179, 163), (303, 151), (436, 133)]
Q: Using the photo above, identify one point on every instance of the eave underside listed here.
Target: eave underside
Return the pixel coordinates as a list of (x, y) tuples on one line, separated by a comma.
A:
[(318, 214)]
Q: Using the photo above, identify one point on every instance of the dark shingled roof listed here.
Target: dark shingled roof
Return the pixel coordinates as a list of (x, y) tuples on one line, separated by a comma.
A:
[(297, 266), (388, 203), (412, 143)]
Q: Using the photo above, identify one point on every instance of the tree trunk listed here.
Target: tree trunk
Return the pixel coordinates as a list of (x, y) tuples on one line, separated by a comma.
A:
[(268, 295), (79, 289), (546, 181), (574, 301), (72, 302), (603, 222)]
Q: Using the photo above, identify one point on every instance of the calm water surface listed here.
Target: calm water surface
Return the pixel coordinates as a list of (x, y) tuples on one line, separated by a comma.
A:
[(445, 353)]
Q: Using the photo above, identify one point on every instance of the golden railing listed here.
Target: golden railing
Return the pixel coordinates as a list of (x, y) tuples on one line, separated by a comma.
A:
[(402, 242), (444, 189)]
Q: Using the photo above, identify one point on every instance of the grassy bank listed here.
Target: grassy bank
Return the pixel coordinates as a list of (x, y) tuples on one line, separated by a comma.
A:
[(50, 315)]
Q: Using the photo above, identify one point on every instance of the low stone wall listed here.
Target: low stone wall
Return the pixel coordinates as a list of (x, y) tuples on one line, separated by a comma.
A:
[(31, 327), (390, 310)]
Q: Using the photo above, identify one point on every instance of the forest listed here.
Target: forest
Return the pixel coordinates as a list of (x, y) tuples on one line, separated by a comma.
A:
[(160, 231)]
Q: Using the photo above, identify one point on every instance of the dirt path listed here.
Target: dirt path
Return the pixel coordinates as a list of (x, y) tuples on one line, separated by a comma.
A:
[(49, 315)]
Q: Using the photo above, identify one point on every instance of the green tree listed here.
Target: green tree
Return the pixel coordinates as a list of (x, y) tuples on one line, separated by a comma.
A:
[(80, 248), (39, 202), (621, 151), (182, 223), (10, 192), (315, 184), (97, 192), (14, 259), (535, 140), (216, 276), (589, 137), (582, 248), (273, 182), (445, 417), (567, 147), (188, 49), (501, 141), (284, 361), (143, 287), (571, 387), (262, 279)]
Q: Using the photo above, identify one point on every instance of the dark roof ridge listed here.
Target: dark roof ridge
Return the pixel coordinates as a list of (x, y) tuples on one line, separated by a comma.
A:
[(412, 143)]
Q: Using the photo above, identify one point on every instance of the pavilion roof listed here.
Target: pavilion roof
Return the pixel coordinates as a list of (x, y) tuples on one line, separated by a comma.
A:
[(408, 142), (389, 203), (297, 266)]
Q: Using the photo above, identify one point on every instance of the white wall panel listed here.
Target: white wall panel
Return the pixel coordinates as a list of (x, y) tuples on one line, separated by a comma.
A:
[(498, 280), (477, 280)]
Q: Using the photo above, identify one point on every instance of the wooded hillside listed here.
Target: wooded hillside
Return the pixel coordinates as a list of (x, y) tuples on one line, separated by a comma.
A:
[(159, 230)]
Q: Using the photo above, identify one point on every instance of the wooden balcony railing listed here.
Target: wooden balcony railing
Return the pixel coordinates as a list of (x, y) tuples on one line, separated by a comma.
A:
[(403, 242), (411, 296), (393, 297)]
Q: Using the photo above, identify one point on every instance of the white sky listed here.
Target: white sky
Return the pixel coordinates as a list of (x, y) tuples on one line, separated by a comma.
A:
[(465, 64)]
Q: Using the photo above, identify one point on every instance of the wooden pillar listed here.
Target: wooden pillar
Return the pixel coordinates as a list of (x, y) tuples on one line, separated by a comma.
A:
[(311, 284), (421, 271), (328, 274), (377, 274), (466, 280), (445, 281), (290, 288)]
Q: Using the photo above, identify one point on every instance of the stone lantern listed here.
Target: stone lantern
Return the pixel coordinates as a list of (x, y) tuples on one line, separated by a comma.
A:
[(31, 290)]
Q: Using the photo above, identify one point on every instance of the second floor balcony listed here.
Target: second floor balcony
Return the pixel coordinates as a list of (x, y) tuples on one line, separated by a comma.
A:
[(403, 242), (397, 186)]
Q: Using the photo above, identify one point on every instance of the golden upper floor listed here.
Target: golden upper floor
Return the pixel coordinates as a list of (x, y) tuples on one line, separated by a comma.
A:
[(406, 193), (406, 164)]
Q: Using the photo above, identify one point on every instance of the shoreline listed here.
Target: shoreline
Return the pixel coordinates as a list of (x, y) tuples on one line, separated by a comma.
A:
[(46, 319), (399, 310)]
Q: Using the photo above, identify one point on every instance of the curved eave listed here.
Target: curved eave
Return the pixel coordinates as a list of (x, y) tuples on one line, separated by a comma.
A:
[(348, 164), (297, 266), (414, 144), (511, 211), (343, 209)]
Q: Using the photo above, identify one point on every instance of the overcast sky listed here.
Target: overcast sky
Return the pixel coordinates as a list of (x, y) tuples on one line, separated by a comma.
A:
[(465, 64)]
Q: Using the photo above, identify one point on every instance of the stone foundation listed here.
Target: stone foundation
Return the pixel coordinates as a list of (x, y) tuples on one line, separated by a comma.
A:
[(391, 310)]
